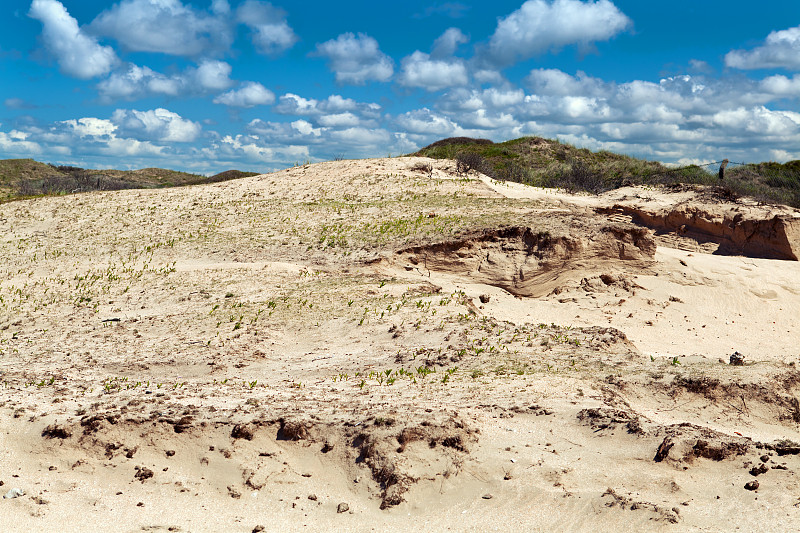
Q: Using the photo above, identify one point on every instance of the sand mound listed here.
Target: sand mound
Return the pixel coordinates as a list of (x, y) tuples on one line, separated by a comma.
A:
[(529, 263)]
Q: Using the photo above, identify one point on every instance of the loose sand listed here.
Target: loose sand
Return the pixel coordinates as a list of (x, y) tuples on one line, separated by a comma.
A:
[(437, 352)]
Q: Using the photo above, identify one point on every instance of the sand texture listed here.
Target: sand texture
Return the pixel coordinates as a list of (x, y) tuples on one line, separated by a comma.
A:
[(381, 346)]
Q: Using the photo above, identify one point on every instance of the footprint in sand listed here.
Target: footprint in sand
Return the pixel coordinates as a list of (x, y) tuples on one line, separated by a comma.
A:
[(766, 295)]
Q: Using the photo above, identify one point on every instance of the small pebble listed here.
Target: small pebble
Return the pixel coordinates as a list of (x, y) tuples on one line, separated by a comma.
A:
[(342, 508), (487, 496), (14, 493)]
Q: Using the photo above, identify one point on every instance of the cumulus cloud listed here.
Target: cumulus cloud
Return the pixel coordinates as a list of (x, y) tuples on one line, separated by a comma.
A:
[(426, 122), (346, 119), (156, 124), (16, 143), (137, 82), (781, 86), (78, 54), (292, 104), (91, 127), (166, 26), (439, 69), (420, 70), (759, 120), (271, 33), (542, 25), (297, 132), (141, 82), (356, 59), (249, 94), (212, 75), (447, 43), (252, 149), (677, 118), (554, 82), (780, 50)]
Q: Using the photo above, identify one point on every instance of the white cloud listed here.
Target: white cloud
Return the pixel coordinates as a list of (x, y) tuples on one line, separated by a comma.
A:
[(782, 86), (156, 124), (305, 128), (292, 104), (447, 44), (554, 82), (336, 103), (356, 59), (250, 94), (298, 132), (12, 143), (271, 33), (759, 120), (129, 148), (165, 26), (334, 111), (141, 82), (419, 70), (95, 135), (780, 50), (212, 75), (542, 25), (137, 82), (91, 127), (346, 119), (78, 54), (253, 149), (362, 136), (424, 121)]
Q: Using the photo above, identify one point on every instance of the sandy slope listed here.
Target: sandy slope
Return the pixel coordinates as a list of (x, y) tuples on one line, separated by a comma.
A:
[(437, 351)]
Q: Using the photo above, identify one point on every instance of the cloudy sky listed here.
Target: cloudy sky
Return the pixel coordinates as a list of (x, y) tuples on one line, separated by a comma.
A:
[(208, 85)]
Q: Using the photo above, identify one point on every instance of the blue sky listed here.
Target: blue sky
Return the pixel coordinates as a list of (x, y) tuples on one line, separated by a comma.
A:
[(206, 86)]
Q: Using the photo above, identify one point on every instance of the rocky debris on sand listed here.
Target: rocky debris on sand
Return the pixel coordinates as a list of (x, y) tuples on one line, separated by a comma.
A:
[(342, 508), (242, 431), (663, 450), (751, 485), (737, 359), (143, 473), (55, 431)]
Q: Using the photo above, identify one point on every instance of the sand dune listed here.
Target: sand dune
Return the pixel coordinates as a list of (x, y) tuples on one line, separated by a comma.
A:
[(365, 345)]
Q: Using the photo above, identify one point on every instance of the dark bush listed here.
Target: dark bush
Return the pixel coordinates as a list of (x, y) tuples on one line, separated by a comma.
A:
[(75, 182), (581, 177), (466, 161)]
